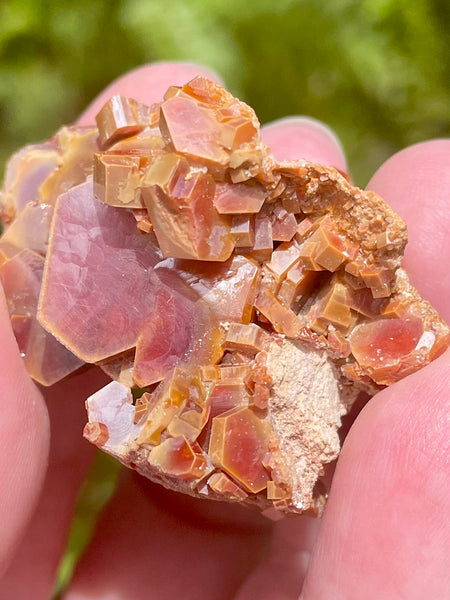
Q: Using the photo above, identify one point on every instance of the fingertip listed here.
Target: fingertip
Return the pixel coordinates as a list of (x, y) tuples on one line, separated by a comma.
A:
[(147, 83), (299, 137), (425, 158)]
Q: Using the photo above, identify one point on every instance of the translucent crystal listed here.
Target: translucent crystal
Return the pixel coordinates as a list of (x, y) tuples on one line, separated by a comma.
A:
[(238, 303)]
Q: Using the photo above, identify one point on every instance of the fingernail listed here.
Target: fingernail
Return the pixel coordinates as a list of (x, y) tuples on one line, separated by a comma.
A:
[(299, 137)]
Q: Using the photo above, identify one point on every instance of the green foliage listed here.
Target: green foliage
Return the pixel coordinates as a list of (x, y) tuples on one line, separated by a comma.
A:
[(377, 71), (95, 493)]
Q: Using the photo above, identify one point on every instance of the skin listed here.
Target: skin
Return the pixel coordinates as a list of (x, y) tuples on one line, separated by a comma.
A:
[(386, 529)]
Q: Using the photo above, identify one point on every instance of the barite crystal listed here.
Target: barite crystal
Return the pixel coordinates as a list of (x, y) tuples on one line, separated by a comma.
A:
[(239, 304)]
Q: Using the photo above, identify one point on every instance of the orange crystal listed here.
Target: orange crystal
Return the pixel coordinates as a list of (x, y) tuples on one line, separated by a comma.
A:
[(388, 349), (176, 456), (239, 303), (238, 444), (179, 201)]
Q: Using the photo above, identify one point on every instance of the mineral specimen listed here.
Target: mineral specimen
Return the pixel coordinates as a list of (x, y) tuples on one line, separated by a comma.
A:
[(239, 304)]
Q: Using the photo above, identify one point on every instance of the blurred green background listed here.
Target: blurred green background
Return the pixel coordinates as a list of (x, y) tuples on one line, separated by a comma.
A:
[(377, 71)]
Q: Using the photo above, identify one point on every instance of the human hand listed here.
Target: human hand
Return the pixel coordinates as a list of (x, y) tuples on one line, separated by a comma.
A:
[(386, 530)]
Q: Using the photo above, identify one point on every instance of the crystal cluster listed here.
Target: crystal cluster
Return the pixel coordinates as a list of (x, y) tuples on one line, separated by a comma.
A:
[(238, 303)]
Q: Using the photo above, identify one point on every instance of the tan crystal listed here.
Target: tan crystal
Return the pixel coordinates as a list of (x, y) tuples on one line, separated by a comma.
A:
[(334, 309), (276, 492), (245, 337), (141, 408), (243, 230), (237, 372), (284, 258), (282, 318), (299, 280), (308, 252), (117, 179), (378, 280), (262, 247), (284, 224), (121, 117), (222, 484), (237, 131), (76, 147), (238, 198)]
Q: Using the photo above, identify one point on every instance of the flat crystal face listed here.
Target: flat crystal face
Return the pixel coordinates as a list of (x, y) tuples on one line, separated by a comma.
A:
[(238, 303)]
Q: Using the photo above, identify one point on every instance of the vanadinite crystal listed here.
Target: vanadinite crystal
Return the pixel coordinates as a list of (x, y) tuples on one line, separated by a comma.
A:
[(238, 303)]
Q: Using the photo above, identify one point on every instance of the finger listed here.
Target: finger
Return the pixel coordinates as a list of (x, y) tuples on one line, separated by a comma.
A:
[(152, 544), (70, 454), (280, 575), (386, 530), (416, 183), (147, 84), (24, 435), (383, 527), (295, 138)]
